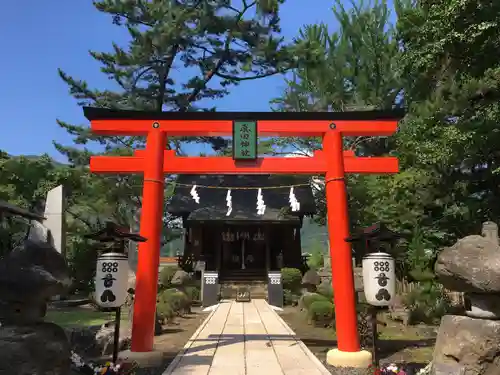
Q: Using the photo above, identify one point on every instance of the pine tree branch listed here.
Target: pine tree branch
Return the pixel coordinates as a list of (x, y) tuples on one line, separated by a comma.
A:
[(239, 79), (213, 72), (164, 76), (78, 217)]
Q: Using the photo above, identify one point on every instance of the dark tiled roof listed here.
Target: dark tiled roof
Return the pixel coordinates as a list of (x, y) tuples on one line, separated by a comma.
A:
[(213, 207), (17, 211)]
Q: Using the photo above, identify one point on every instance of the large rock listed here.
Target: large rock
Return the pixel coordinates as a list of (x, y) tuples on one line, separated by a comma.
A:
[(471, 265), (469, 344), (311, 277), (105, 337), (97, 341), (398, 311), (39, 349), (325, 274), (310, 281), (29, 276), (180, 277)]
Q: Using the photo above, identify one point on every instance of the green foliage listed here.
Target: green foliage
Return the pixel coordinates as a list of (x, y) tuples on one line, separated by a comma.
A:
[(24, 182), (451, 130), (432, 63), (289, 298), (326, 289), (321, 312), (308, 299), (164, 310), (316, 259), (192, 292), (82, 258), (292, 279), (175, 299), (216, 44), (427, 303)]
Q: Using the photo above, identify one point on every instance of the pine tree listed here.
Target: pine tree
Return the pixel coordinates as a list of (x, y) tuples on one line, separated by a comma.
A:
[(354, 68), (216, 43)]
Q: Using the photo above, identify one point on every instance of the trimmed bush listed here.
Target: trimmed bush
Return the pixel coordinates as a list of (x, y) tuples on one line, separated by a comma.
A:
[(176, 299), (166, 275), (192, 292), (164, 311), (325, 289), (321, 313), (292, 279), (308, 299)]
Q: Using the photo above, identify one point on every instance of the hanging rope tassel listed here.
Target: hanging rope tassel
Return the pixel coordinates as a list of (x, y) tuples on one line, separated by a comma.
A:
[(229, 203), (294, 203), (261, 207), (195, 195)]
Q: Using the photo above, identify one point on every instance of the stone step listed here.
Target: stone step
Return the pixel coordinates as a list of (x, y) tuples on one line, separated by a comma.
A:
[(230, 289)]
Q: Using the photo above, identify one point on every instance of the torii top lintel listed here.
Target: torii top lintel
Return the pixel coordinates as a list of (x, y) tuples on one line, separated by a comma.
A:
[(305, 124)]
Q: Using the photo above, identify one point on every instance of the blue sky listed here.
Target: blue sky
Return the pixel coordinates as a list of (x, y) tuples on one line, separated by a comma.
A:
[(38, 37)]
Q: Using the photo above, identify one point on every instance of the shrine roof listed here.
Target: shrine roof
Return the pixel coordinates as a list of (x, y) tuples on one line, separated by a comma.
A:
[(8, 208), (213, 205)]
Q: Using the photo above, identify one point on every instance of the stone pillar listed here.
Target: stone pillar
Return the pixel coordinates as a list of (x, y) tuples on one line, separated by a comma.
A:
[(275, 289), (490, 231), (209, 288), (55, 208)]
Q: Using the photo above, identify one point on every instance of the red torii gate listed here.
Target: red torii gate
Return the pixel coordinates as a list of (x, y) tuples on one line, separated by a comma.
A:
[(155, 161)]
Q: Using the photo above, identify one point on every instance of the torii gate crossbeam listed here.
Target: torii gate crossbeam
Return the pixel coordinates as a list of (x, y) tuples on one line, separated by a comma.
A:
[(155, 161)]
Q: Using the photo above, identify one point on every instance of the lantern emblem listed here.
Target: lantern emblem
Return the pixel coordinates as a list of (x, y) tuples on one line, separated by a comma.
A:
[(379, 278), (111, 279)]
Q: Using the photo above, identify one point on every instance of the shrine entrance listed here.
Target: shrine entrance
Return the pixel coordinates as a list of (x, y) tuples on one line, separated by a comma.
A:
[(243, 248), (332, 162)]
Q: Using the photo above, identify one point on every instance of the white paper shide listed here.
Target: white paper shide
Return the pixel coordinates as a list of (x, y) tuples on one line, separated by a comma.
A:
[(111, 280), (379, 278)]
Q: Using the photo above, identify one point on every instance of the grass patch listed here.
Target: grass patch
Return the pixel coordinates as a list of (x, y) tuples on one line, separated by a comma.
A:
[(80, 316)]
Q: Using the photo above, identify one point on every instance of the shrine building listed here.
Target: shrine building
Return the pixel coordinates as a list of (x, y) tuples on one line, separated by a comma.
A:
[(242, 226)]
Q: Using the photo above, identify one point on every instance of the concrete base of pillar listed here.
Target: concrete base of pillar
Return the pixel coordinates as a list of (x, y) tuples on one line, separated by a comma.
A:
[(361, 360), (143, 359)]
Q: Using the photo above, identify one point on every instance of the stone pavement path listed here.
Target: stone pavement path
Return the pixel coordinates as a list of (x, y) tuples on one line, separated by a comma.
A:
[(245, 339)]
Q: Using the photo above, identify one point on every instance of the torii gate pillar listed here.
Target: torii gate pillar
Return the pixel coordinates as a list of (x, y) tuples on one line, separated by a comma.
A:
[(148, 260), (332, 162)]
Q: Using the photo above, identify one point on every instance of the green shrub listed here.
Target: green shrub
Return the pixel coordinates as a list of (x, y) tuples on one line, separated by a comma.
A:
[(166, 275), (82, 258), (316, 260), (289, 298), (192, 292), (177, 300), (321, 312), (325, 289), (164, 311), (427, 303), (292, 279), (308, 299)]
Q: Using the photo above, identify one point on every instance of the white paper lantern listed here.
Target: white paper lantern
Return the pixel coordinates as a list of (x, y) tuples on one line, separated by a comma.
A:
[(111, 280), (379, 278)]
